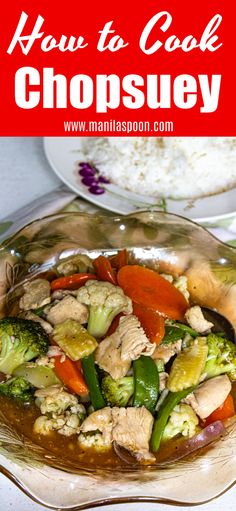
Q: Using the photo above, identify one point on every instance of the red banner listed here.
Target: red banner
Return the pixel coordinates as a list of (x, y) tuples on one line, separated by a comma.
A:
[(117, 68)]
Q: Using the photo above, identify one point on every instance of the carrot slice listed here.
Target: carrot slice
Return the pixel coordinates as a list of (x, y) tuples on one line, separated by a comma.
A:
[(146, 287), (70, 374), (72, 281), (104, 270), (225, 411), (119, 260), (114, 324), (152, 322)]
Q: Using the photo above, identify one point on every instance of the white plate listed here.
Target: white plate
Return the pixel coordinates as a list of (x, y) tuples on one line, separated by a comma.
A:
[(64, 155)]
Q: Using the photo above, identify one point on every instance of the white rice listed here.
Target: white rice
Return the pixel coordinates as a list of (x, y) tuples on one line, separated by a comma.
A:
[(168, 167)]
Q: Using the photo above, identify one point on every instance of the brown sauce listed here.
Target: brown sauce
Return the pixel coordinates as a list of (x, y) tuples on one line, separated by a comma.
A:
[(22, 418)]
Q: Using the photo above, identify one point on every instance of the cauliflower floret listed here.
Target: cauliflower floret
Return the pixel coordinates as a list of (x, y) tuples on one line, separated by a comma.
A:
[(105, 301), (60, 410), (57, 402), (96, 429), (115, 353), (93, 440), (196, 320), (42, 425), (183, 420), (66, 425)]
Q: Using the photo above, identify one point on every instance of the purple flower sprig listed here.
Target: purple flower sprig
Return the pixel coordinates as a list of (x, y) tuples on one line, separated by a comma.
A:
[(90, 177)]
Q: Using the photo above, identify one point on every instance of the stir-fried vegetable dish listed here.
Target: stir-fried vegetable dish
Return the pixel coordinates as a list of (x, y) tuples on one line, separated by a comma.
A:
[(116, 358)]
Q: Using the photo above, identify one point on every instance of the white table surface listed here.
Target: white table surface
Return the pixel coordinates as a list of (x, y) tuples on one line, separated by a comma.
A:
[(24, 176)]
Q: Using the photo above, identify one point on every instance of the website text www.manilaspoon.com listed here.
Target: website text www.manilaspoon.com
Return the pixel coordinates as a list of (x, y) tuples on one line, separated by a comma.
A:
[(115, 126)]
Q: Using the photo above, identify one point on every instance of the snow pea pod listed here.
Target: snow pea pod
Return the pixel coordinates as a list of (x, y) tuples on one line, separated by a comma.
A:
[(172, 399), (91, 378), (146, 383), (177, 331)]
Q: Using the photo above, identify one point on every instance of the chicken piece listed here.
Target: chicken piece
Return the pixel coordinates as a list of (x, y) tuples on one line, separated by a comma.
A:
[(55, 351), (196, 320), (68, 308), (33, 317), (75, 264), (53, 390), (209, 395), (108, 357), (166, 352), (115, 353), (134, 341), (132, 429), (37, 294), (44, 361), (99, 423), (58, 294)]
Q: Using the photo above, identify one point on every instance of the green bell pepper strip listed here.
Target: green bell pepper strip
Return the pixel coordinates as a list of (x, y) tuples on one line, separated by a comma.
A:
[(91, 378), (172, 399), (146, 383)]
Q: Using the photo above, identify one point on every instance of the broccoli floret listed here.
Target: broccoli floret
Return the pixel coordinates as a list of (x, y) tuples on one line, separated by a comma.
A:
[(17, 388), (221, 358), (105, 301), (182, 421), (21, 340), (117, 392)]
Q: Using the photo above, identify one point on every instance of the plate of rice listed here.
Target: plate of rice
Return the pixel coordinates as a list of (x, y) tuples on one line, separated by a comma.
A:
[(190, 176)]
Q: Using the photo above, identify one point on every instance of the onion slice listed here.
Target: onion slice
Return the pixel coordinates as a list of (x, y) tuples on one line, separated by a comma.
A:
[(210, 434), (124, 454)]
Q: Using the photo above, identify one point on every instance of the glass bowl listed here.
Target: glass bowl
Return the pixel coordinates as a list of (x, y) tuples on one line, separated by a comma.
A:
[(161, 241)]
